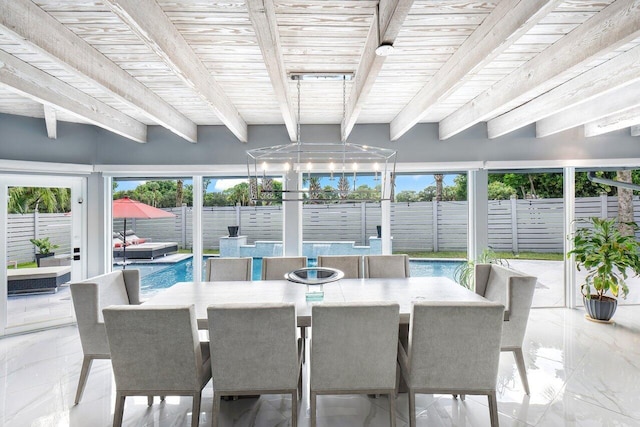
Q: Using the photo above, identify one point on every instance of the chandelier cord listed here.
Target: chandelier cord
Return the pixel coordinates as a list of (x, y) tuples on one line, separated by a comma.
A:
[(299, 117)]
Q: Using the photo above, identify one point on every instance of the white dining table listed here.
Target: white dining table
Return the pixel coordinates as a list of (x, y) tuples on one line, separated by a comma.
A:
[(403, 291)]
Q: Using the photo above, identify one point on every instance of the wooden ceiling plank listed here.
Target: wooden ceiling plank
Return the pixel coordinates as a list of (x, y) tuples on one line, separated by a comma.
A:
[(613, 102), (384, 30), (619, 71), (597, 36), (263, 17), (29, 24), (41, 87), (50, 121), (156, 30), (612, 123), (510, 20)]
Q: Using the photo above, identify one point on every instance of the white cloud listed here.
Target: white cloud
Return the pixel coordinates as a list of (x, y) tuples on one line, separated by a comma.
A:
[(223, 184)]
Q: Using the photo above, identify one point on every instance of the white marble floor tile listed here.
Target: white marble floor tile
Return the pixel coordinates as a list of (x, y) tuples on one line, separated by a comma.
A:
[(580, 373)]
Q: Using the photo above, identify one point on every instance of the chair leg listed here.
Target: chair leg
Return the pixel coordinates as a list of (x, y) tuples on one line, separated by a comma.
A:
[(493, 408), (392, 409), (519, 356), (412, 408), (303, 335), (216, 409), (195, 417), (119, 410), (300, 384), (162, 398), (312, 408), (84, 373), (149, 400), (294, 409)]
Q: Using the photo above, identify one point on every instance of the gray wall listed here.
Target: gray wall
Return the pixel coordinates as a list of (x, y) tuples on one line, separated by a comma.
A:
[(23, 138)]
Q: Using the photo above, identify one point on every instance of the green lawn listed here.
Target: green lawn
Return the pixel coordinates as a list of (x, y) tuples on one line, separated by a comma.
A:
[(505, 255)]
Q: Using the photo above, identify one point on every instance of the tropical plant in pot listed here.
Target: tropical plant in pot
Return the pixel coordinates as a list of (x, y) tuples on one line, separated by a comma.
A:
[(609, 256), (45, 248), (464, 273)]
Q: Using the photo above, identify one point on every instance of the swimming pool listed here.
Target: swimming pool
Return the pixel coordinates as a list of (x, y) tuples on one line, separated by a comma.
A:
[(156, 277)]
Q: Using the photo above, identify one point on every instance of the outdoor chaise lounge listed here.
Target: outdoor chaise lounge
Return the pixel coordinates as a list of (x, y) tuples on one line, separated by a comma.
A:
[(138, 248), (27, 280), (146, 250)]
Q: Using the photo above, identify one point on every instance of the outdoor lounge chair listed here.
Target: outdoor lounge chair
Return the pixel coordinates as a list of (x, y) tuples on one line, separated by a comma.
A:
[(38, 279), (139, 248)]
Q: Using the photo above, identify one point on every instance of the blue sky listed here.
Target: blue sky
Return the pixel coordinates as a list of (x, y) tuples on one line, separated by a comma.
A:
[(403, 182)]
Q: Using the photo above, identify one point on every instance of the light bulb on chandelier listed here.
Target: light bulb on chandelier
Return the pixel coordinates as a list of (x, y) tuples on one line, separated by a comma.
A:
[(319, 158)]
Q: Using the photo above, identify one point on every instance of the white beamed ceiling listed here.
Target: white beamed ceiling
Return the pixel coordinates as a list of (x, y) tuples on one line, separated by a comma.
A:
[(327, 36)]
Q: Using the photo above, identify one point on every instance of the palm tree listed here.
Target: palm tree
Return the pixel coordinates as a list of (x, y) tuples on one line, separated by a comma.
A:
[(343, 187), (41, 199), (439, 178), (179, 192), (267, 190), (314, 189)]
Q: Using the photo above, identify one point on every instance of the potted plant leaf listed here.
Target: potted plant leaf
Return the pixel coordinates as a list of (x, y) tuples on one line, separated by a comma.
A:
[(45, 248), (609, 257), (464, 274)]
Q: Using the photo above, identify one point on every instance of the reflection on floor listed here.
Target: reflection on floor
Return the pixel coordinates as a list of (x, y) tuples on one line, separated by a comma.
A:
[(581, 374), (40, 307)]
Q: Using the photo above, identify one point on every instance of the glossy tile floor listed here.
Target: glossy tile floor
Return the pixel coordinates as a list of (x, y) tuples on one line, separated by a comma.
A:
[(581, 374)]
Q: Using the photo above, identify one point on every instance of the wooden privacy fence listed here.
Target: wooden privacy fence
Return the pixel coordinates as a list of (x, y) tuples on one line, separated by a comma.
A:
[(514, 225)]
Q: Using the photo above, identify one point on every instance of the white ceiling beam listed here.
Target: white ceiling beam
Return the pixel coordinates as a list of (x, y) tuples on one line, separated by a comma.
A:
[(50, 121), (28, 81), (635, 130), (505, 24), (619, 71), (263, 17), (614, 122), (148, 21), (612, 102), (606, 31), (29, 24), (384, 29)]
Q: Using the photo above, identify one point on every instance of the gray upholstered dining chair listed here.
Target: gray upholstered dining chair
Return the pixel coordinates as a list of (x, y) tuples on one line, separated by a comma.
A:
[(89, 298), (515, 291), (350, 265), (454, 348), (155, 351), (229, 269), (255, 351), (386, 266), (274, 268), (353, 351)]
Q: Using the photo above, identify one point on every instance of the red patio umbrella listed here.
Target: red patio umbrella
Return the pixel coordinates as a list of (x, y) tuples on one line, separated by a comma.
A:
[(127, 208)]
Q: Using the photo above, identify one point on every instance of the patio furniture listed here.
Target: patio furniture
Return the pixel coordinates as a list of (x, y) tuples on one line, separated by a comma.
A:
[(386, 266), (229, 269), (353, 351), (156, 351), (89, 298), (454, 349), (274, 268), (255, 351), (350, 265), (146, 250), (514, 290), (37, 279)]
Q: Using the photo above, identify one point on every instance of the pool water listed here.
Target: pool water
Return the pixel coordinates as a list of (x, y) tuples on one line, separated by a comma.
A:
[(155, 277)]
